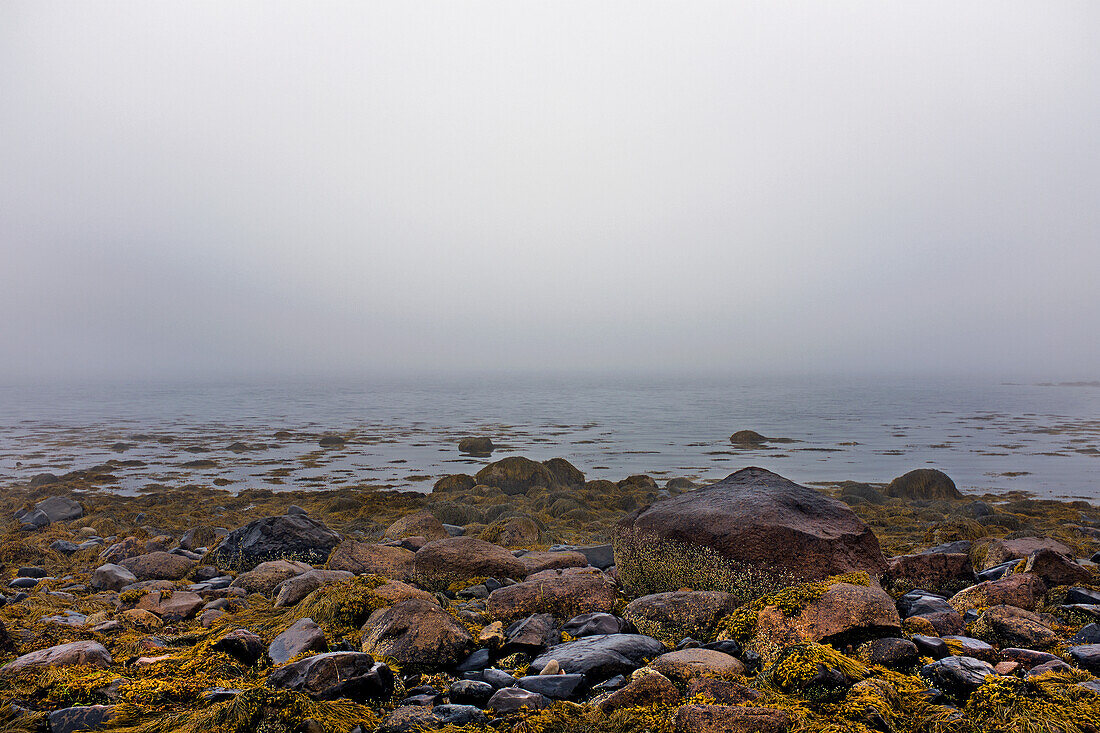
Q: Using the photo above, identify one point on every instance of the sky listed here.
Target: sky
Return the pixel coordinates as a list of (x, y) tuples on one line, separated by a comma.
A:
[(247, 189)]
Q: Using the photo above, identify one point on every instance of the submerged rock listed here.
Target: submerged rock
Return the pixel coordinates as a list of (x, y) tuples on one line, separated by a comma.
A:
[(923, 483), (478, 446)]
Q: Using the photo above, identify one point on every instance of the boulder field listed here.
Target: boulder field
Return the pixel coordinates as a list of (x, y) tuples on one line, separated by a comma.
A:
[(526, 598)]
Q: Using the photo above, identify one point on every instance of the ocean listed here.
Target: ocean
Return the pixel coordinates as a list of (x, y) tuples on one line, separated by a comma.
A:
[(403, 434)]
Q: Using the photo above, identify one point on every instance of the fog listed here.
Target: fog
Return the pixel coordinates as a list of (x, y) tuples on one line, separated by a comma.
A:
[(216, 190)]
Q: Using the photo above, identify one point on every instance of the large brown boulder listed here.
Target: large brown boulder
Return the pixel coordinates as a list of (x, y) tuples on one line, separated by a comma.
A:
[(89, 653), (452, 559), (678, 614), (923, 483), (1023, 590), (417, 633), (753, 519), (685, 665), (995, 552), (367, 557), (158, 566), (422, 524), (939, 572), (264, 577), (515, 475), (562, 593), (844, 611)]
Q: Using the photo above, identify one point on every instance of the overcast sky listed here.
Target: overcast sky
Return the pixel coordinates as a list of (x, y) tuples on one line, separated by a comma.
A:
[(219, 189)]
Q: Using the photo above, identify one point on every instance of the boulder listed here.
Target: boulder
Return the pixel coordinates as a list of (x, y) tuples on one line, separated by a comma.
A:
[(422, 524), (294, 589), (947, 572), (285, 537), (367, 557), (648, 689), (685, 665), (1055, 568), (171, 606), (417, 633), (1011, 626), (996, 552), (844, 611), (592, 624), (512, 699), (749, 438), (111, 577), (513, 532), (957, 675), (553, 686), (564, 472), (601, 657), (729, 718), (1023, 590), (90, 653), (60, 509), (889, 652), (264, 577), (515, 475), (1086, 656), (678, 614), (753, 519), (478, 446), (923, 483), (335, 675), (563, 593), (454, 482), (453, 559), (158, 566), (303, 636), (531, 634), (243, 645)]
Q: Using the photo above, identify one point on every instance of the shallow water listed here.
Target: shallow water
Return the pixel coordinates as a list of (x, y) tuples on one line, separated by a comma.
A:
[(988, 437)]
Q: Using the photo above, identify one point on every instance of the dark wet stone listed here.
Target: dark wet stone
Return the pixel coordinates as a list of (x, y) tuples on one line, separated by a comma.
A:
[(931, 646), (951, 547), (23, 582), (31, 571), (1026, 658), (303, 636), (243, 645), (406, 719), (511, 699), (919, 602), (1082, 595), (600, 657), (498, 678), (477, 660), (957, 675), (1086, 656), (531, 634), (891, 652), (219, 694), (64, 547), (726, 646), (1089, 634), (971, 647), (457, 714), (352, 675), (997, 571), (470, 692), (60, 509), (89, 717), (554, 686), (285, 537), (33, 520), (598, 556)]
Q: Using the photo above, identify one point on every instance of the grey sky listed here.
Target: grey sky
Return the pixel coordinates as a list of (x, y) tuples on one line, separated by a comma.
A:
[(231, 188)]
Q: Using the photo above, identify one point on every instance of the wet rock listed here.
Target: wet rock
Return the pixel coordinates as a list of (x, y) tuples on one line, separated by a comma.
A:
[(554, 686), (264, 577), (918, 602), (60, 509), (754, 518), (512, 699), (674, 615), (452, 559), (1089, 634), (1086, 656), (957, 675), (515, 475), (479, 660), (923, 483), (890, 652), (44, 479), (422, 524), (601, 657), (564, 473), (948, 572), (513, 532), (560, 592), (749, 438), (352, 675), (454, 482), (243, 645), (1053, 665), (64, 547), (33, 520), (1082, 596), (844, 610), (331, 441), (480, 446), (648, 689), (89, 653), (970, 647), (171, 606), (532, 634), (591, 624), (119, 551), (998, 551), (1015, 627), (200, 536), (470, 692), (598, 556), (722, 692), (1026, 658), (417, 633), (275, 538), (931, 646), (82, 718), (25, 583), (366, 557), (303, 636), (294, 589), (1023, 590), (998, 571), (536, 562), (727, 718), (1056, 569), (459, 715), (158, 566), (408, 718), (686, 664)]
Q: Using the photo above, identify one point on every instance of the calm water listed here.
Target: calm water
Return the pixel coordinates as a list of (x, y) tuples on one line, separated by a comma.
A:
[(988, 437)]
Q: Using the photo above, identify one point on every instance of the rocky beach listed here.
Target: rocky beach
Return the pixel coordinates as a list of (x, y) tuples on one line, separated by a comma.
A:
[(525, 597)]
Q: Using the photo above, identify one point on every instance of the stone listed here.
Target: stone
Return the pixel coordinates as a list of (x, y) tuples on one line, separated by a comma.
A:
[(417, 633), (408, 718), (478, 446), (158, 566), (82, 718), (174, 606), (440, 563), (1086, 656), (334, 675), (1082, 596), (1001, 551), (753, 518), (565, 473), (968, 646), (844, 610), (1056, 569), (601, 657), (1054, 665), (749, 438), (598, 556), (422, 524), (366, 557), (554, 686), (563, 593), (677, 614), (111, 577), (591, 624), (470, 692), (302, 636), (535, 562), (957, 675), (292, 590), (1015, 627), (516, 475), (722, 692), (1023, 590), (1088, 634), (454, 482), (89, 653), (918, 602), (451, 714), (923, 483), (264, 577), (890, 652), (948, 572), (60, 509), (285, 537), (127, 548), (531, 634), (931, 646), (243, 645), (728, 719), (513, 532), (1026, 658), (686, 664), (512, 699)]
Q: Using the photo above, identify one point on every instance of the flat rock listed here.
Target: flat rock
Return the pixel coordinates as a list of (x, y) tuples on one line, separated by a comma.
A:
[(171, 606), (686, 664), (601, 657), (89, 653), (111, 577), (60, 509)]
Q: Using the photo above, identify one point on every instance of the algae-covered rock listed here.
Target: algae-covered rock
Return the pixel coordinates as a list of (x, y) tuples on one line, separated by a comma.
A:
[(515, 475), (417, 633), (1011, 626), (748, 438), (284, 537), (513, 532), (366, 557), (452, 559), (264, 577), (923, 483), (946, 572), (294, 589), (564, 472), (563, 593), (754, 520), (726, 718), (453, 483), (648, 689), (1023, 590), (334, 675), (422, 524), (679, 614), (478, 446), (844, 610), (60, 509), (685, 665)]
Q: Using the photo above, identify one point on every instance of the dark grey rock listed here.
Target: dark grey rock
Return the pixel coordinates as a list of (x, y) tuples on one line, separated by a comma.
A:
[(957, 675), (89, 717), (1086, 656), (511, 699), (303, 636), (600, 657), (60, 509), (470, 692), (592, 624), (352, 675), (455, 714), (931, 646), (293, 537), (1089, 634), (554, 686), (919, 602)]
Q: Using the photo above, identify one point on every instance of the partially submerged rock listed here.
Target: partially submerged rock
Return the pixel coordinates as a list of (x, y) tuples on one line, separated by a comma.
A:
[(923, 483)]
